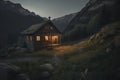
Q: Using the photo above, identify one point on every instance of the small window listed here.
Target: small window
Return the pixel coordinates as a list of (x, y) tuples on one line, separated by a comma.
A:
[(29, 38), (46, 38), (37, 38)]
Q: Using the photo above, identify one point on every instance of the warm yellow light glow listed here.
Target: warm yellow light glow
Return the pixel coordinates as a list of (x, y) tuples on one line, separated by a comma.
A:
[(30, 38), (37, 38), (27, 37), (55, 39), (52, 39), (46, 38)]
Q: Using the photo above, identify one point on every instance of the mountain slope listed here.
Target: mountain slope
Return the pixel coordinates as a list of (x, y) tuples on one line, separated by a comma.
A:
[(92, 17), (96, 58), (14, 19), (62, 22)]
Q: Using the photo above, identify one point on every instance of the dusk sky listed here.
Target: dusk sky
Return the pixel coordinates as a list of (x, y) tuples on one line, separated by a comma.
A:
[(53, 8)]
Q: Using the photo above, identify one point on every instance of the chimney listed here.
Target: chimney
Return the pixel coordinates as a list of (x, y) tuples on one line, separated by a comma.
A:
[(49, 18)]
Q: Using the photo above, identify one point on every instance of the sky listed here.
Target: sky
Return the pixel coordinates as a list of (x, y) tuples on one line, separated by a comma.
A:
[(53, 8)]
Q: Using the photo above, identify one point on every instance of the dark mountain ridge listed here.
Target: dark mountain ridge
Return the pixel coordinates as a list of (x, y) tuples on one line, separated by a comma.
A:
[(89, 20), (62, 22), (14, 19)]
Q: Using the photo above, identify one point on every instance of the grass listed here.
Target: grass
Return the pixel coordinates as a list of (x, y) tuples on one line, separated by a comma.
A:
[(88, 54), (31, 68), (97, 61), (100, 64), (40, 53)]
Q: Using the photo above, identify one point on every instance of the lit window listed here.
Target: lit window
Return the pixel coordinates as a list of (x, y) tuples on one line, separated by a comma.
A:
[(46, 38), (30, 38), (37, 38), (27, 37), (54, 38)]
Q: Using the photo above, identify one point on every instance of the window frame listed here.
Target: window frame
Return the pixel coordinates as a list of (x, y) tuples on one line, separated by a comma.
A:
[(37, 38)]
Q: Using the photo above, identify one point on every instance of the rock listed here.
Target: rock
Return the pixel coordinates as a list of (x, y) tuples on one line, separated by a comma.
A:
[(46, 74), (110, 33), (117, 41), (22, 77), (22, 50), (82, 49), (101, 41), (108, 50), (10, 72), (47, 66), (92, 37), (56, 60), (97, 36)]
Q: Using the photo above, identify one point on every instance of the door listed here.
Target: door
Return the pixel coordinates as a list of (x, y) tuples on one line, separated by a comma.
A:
[(54, 39)]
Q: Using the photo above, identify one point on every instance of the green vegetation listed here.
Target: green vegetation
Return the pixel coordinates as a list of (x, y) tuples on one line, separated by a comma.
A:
[(94, 24), (100, 58), (82, 30), (96, 58), (41, 53), (32, 68)]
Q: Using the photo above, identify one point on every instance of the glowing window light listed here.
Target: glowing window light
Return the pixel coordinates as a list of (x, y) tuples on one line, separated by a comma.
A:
[(27, 37), (30, 38), (55, 39), (46, 38), (37, 38)]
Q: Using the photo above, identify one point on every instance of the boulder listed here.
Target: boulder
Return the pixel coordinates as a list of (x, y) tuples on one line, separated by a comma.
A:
[(92, 37), (108, 50), (82, 49), (117, 41), (47, 66), (109, 34), (10, 72), (101, 41), (21, 49), (45, 74), (22, 77), (56, 60)]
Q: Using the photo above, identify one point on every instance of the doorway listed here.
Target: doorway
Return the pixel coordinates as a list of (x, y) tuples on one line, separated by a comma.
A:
[(54, 39)]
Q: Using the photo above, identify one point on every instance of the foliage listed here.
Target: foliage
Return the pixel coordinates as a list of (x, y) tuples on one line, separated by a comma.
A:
[(81, 31), (87, 59), (40, 53), (32, 68), (94, 24), (100, 64)]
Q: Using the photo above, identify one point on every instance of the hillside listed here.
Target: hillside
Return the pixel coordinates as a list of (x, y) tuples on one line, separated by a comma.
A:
[(14, 19), (91, 50), (96, 58), (91, 18), (62, 22)]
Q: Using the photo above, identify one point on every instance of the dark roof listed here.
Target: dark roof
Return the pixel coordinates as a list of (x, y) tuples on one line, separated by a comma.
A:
[(32, 29)]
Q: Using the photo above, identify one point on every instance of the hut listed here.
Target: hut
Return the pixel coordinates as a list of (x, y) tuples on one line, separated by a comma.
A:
[(42, 35)]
